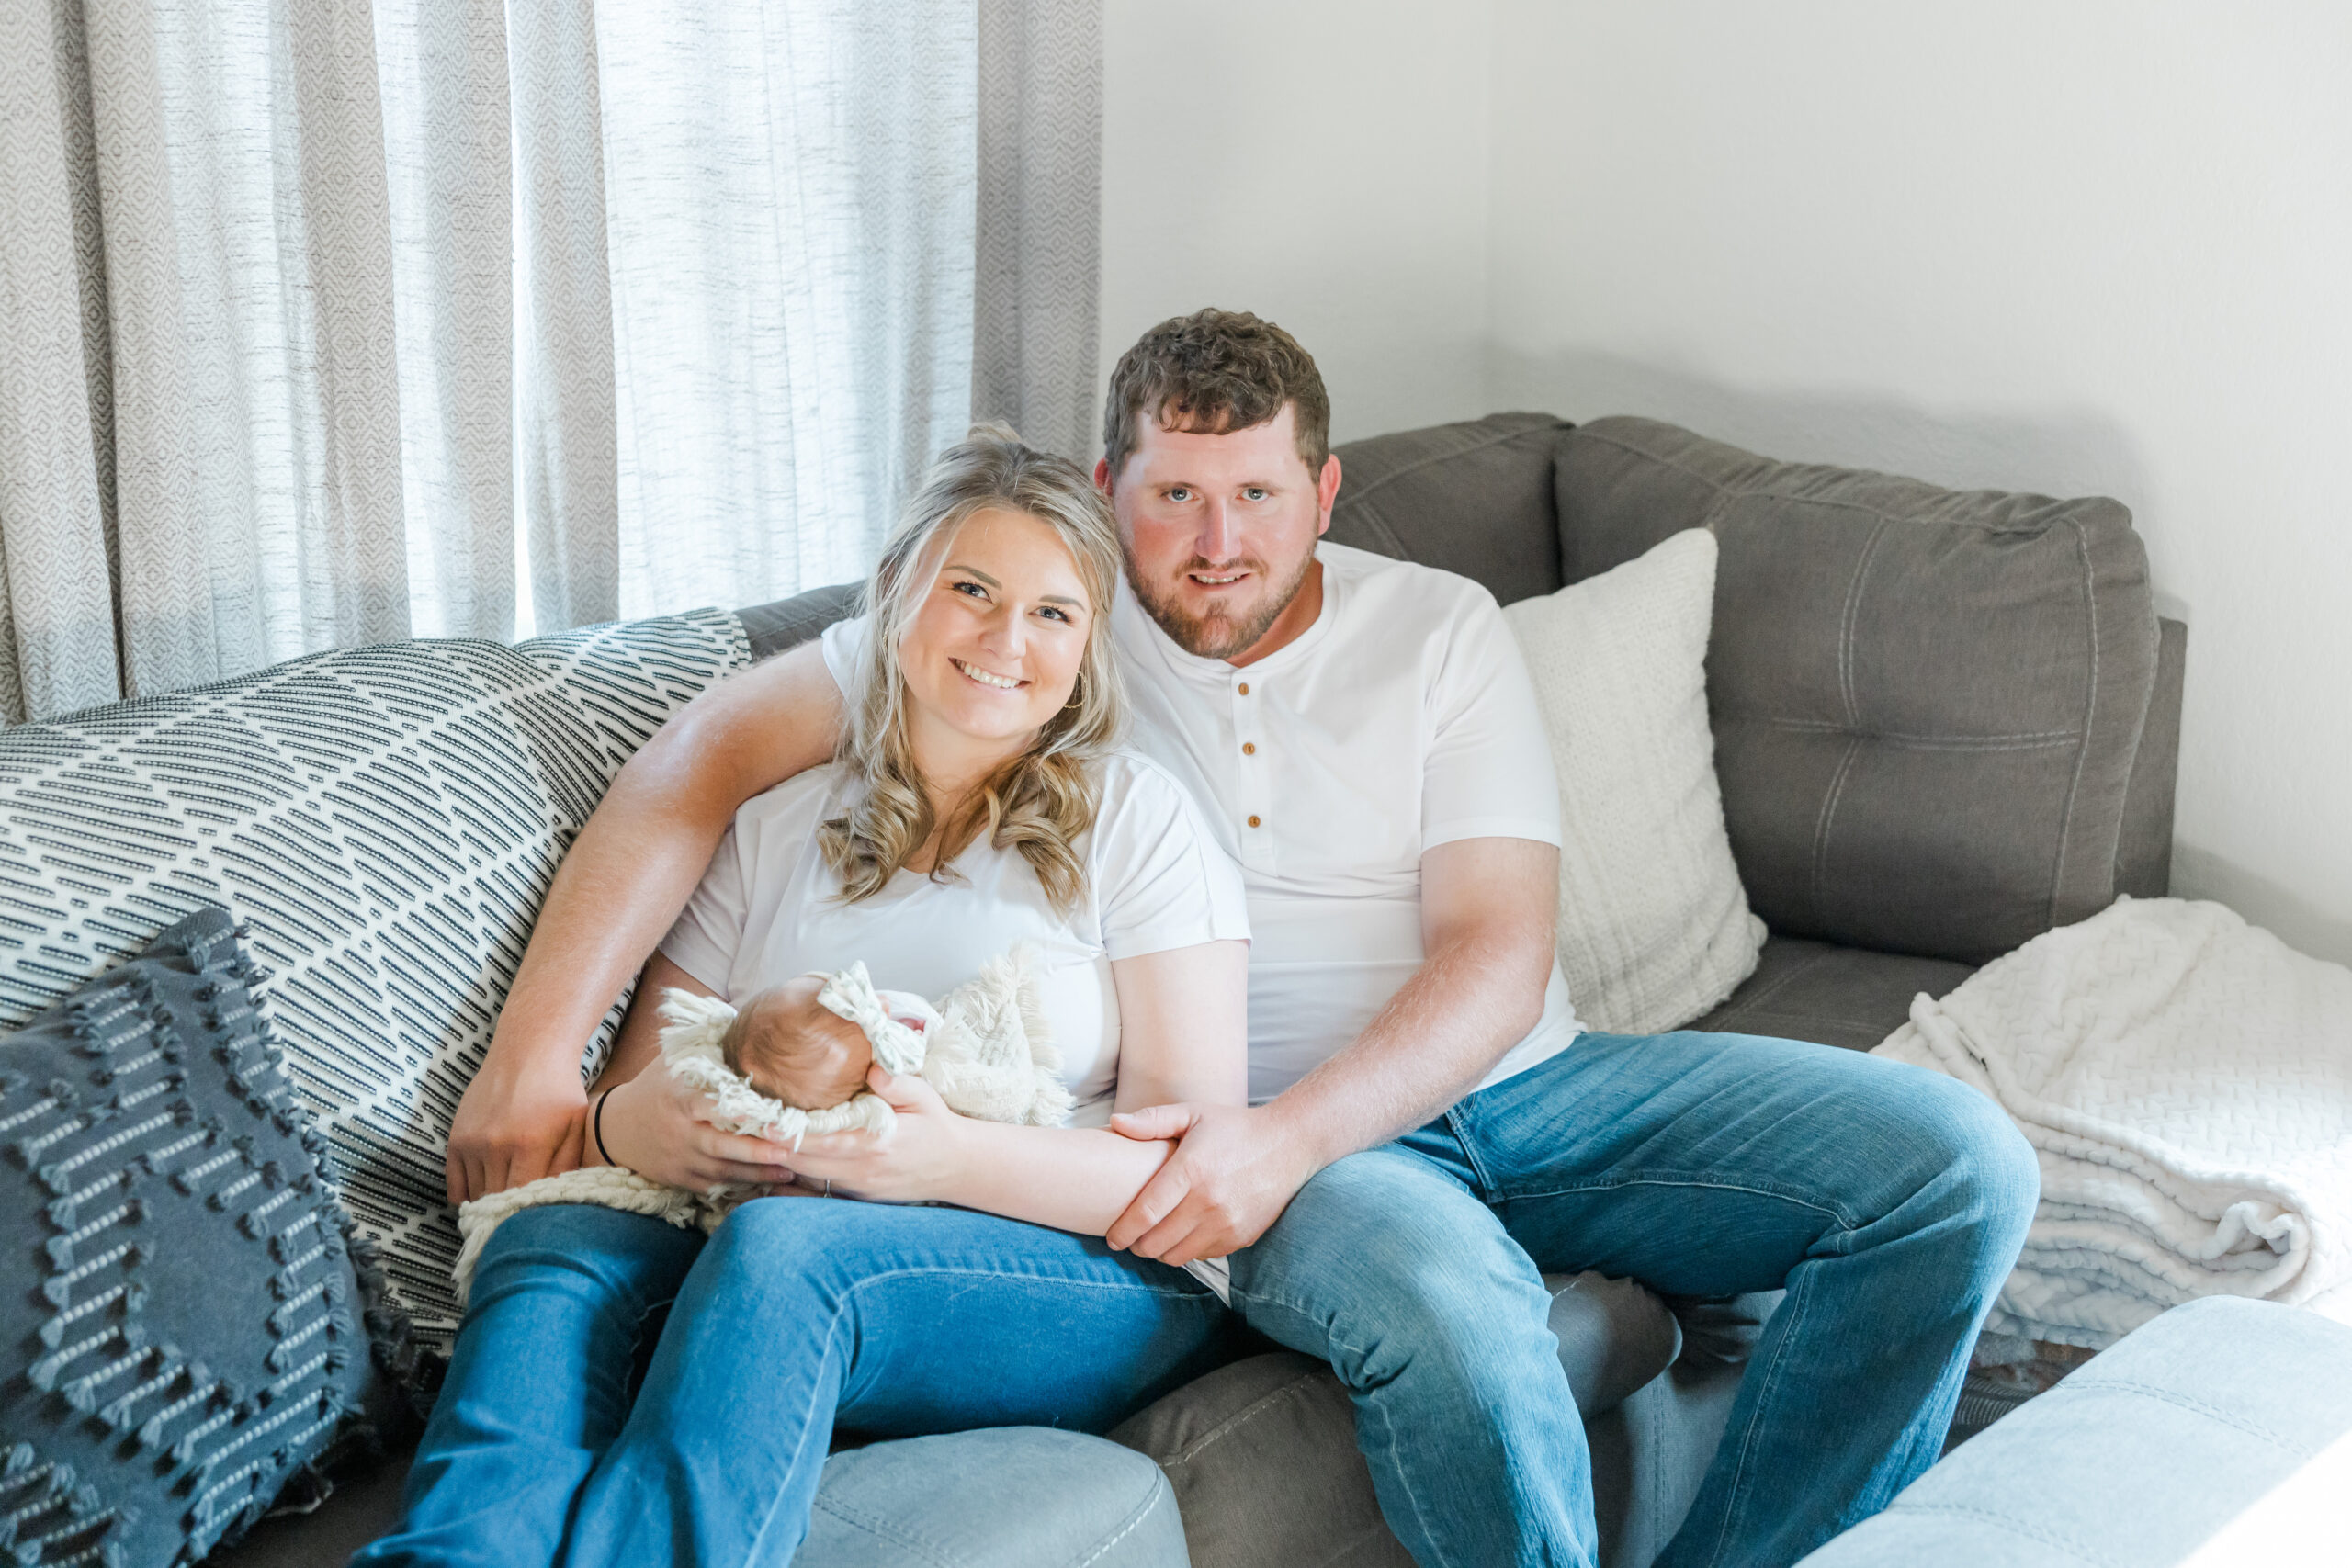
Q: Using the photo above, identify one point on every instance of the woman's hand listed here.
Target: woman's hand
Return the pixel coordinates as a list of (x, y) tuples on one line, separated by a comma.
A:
[(657, 1127), (920, 1158)]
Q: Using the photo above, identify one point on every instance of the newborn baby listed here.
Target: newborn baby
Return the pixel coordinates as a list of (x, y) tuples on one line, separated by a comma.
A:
[(792, 1061), (787, 1045)]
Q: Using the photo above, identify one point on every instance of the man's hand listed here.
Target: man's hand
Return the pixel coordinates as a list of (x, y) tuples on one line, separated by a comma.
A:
[(513, 1126), (1235, 1170)]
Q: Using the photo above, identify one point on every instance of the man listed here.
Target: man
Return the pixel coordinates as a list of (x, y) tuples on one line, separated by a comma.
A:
[(1430, 1131)]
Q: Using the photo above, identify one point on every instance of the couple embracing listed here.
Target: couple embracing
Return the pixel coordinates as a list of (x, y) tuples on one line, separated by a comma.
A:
[(1281, 823)]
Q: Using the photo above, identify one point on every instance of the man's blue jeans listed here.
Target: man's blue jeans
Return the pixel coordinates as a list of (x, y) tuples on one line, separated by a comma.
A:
[(1890, 1201), (798, 1314)]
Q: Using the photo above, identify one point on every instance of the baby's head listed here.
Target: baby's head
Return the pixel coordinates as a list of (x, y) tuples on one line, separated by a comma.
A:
[(793, 1048)]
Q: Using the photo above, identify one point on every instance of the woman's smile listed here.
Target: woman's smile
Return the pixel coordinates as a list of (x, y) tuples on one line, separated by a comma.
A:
[(989, 678)]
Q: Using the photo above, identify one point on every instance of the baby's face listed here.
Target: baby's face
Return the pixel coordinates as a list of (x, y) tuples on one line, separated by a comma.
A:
[(794, 1049)]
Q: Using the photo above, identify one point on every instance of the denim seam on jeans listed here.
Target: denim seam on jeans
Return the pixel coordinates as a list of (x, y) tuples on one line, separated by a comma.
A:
[(1671, 1179), (1404, 1479), (1456, 1124), (1795, 1303), (934, 1272)]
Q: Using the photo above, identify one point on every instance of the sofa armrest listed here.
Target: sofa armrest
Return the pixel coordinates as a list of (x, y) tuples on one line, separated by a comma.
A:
[(2144, 849), (2137, 1460)]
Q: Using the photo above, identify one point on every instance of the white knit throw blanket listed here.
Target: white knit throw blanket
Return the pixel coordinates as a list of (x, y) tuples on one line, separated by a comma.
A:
[(989, 1056), (2187, 1079)]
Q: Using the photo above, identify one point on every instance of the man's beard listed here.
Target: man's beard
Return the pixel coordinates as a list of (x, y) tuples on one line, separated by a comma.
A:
[(1216, 634)]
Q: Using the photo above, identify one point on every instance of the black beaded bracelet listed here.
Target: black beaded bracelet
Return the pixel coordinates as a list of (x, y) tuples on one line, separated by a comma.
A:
[(596, 1125)]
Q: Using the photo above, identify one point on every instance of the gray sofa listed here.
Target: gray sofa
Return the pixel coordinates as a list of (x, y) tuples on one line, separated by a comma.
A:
[(1945, 722)]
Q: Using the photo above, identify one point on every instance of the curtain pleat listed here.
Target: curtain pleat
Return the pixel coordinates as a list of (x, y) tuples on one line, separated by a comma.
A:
[(1038, 268), (789, 206), (443, 68), (569, 462), (354, 544), (57, 643), (188, 590), (305, 307), (243, 186)]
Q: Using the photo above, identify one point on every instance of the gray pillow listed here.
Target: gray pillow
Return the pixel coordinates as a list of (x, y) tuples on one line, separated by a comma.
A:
[(1926, 702), (194, 1321), (1473, 498)]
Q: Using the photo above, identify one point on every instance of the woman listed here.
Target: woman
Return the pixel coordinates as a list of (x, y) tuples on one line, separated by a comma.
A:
[(978, 800)]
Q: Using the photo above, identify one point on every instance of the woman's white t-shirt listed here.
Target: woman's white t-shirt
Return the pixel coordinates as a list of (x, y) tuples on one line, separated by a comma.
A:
[(769, 908)]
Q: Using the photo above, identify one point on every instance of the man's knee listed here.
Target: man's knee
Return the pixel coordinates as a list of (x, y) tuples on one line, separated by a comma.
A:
[(1382, 1261), (1972, 1160)]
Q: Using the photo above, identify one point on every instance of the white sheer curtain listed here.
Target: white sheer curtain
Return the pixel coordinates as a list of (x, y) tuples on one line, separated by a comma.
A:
[(307, 309), (790, 189)]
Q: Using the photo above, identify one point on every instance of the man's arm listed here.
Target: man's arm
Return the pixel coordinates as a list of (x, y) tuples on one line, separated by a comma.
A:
[(616, 893), (1487, 907)]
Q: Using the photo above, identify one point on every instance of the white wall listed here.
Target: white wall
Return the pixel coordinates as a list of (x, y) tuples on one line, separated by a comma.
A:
[(2102, 247), (1322, 163)]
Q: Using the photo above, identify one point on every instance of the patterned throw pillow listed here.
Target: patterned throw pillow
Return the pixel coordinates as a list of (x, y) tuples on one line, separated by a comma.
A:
[(384, 821), (188, 1321)]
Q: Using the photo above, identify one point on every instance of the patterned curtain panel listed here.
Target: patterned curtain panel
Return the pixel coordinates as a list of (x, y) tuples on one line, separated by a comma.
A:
[(307, 311), (789, 193), (1039, 267)]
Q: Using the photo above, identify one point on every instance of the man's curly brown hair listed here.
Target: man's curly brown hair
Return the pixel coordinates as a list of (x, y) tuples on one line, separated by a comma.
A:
[(1212, 372)]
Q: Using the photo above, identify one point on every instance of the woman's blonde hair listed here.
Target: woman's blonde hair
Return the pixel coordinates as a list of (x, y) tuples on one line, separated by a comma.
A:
[(1041, 800)]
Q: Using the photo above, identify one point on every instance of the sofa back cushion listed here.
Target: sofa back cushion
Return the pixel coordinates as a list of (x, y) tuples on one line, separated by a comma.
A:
[(384, 821), (1926, 702), (1474, 497)]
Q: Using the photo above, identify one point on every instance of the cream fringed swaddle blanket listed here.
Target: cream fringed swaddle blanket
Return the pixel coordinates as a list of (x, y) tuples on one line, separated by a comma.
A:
[(988, 1055)]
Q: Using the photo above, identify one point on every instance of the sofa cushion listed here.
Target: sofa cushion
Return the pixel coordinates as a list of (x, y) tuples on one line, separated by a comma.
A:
[(784, 624), (967, 1500), (385, 821), (1926, 702), (1262, 1452), (1008, 1497), (2187, 1424), (1653, 926), (191, 1323), (1833, 996), (1473, 498)]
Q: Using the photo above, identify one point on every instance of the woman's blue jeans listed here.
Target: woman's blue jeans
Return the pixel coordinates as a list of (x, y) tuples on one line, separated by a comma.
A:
[(799, 1314), (1889, 1202)]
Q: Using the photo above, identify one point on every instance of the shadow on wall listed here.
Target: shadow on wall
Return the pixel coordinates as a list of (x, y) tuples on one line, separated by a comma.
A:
[(2294, 920), (2056, 451)]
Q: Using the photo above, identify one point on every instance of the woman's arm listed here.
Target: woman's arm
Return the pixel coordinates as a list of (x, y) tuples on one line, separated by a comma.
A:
[(653, 1125), (1182, 1018), (616, 892)]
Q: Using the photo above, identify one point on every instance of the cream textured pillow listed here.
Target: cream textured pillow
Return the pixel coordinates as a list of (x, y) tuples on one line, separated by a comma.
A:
[(1653, 924)]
